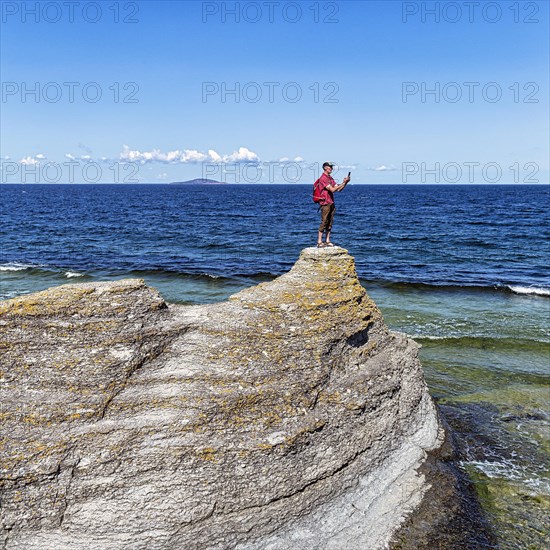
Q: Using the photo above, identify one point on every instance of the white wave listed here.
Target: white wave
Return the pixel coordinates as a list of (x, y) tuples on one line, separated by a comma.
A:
[(505, 469), (15, 267), (449, 336), (70, 274), (538, 291), (479, 336)]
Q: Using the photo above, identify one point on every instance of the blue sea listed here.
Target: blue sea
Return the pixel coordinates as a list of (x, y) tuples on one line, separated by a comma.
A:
[(461, 268)]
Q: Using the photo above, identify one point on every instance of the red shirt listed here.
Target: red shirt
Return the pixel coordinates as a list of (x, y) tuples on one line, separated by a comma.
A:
[(327, 196)]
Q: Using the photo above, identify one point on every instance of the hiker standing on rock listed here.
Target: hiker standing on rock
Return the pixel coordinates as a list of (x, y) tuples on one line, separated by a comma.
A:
[(323, 190)]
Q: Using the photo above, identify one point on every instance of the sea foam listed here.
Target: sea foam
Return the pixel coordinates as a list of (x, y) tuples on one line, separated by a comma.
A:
[(15, 267), (538, 291)]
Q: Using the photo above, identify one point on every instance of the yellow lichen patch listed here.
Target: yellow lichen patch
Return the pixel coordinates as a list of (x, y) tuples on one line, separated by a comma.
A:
[(33, 419), (126, 285), (47, 302), (332, 398), (208, 453), (263, 409), (26, 453)]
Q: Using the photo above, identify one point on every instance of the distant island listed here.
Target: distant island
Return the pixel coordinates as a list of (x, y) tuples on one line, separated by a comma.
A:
[(199, 181)]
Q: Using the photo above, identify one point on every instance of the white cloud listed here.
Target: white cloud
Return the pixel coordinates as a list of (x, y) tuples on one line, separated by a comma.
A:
[(156, 156), (242, 155), (384, 168), (187, 156), (85, 158), (162, 176), (284, 160), (30, 161), (214, 156), (172, 157)]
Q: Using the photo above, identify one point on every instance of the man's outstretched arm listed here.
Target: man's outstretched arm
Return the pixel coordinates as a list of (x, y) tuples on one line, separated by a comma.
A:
[(340, 187)]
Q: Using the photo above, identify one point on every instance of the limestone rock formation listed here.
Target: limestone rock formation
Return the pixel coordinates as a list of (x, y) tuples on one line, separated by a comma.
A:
[(288, 416)]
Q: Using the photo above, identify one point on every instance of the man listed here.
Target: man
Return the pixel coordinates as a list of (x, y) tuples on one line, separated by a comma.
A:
[(328, 186)]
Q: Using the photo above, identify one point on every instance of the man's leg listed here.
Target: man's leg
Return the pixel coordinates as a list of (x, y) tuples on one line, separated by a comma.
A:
[(329, 221), (324, 217)]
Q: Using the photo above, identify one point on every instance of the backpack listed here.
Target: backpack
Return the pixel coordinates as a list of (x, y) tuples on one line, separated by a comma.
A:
[(317, 192)]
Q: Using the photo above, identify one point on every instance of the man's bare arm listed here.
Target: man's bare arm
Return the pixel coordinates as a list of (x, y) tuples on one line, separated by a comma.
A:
[(340, 187)]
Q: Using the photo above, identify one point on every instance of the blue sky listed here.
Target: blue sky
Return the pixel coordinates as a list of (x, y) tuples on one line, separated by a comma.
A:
[(162, 116)]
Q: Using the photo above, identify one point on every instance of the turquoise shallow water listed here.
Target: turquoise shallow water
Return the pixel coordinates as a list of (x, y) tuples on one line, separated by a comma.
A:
[(486, 357)]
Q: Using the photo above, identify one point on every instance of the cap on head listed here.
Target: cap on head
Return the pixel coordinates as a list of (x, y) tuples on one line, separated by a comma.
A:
[(328, 164)]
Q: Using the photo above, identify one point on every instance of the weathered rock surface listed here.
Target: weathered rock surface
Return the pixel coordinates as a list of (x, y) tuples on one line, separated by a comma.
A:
[(287, 417)]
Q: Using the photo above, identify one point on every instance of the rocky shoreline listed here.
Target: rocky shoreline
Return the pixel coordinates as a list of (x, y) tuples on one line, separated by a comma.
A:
[(289, 416)]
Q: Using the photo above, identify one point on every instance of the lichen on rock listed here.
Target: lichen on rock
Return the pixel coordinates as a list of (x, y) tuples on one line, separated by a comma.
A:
[(288, 416)]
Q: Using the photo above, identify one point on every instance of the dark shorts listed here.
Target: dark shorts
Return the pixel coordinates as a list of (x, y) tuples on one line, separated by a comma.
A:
[(327, 216)]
